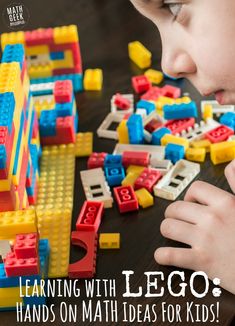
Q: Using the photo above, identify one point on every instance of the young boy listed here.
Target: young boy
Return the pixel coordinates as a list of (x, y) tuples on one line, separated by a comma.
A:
[(197, 38)]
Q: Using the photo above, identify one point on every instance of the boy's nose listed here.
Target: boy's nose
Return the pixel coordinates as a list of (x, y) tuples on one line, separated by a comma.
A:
[(177, 62)]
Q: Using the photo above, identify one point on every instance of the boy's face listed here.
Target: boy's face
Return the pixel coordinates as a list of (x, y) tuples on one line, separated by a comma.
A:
[(198, 41)]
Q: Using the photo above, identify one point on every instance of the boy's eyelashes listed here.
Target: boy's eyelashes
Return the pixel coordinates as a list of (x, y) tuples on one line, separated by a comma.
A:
[(173, 6)]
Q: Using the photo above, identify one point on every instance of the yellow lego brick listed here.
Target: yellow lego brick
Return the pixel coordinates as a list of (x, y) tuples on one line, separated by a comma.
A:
[(184, 99), (12, 38), (9, 296), (205, 143), (15, 222), (84, 144), (163, 100), (139, 54), (55, 204), (26, 84), (122, 130), (145, 199), (196, 154), (155, 76), (137, 169), (40, 71), (65, 34), (93, 79), (43, 103), (222, 152), (207, 112), (109, 241), (129, 180), (67, 62), (168, 138), (36, 50)]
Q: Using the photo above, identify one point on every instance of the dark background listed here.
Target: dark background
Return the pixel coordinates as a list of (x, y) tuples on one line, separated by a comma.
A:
[(105, 28)]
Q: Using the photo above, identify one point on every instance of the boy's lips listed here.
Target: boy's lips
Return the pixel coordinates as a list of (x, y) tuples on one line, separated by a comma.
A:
[(219, 96)]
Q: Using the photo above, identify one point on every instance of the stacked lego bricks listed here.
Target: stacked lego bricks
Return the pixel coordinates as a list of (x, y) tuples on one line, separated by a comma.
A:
[(52, 53), (19, 135)]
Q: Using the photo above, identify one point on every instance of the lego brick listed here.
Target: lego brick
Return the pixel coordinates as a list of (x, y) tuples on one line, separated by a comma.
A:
[(86, 267), (12, 38), (153, 125), (130, 179), (93, 79), (217, 109), (155, 76), (204, 143), (65, 129), (139, 54), (152, 94), (228, 119), (162, 101), (5, 248), (174, 152), (136, 169), (83, 144), (114, 175), (20, 267), (109, 241), (63, 91), (104, 131), (180, 111), (140, 84), (135, 158), (167, 138), (219, 134), (96, 160), (154, 151), (66, 64), (196, 154), (148, 106), (122, 130), (90, 216), (39, 36), (37, 49), (57, 55), (158, 134), (170, 91), (176, 180), (145, 199), (207, 112), (7, 108), (13, 53), (135, 129), (121, 102), (47, 123), (126, 199), (112, 160), (127, 98), (162, 166), (222, 152), (65, 34), (26, 246), (198, 131), (96, 187), (178, 126), (147, 179)]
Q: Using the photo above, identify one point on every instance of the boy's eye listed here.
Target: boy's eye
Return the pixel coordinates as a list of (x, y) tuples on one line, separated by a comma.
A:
[(173, 7)]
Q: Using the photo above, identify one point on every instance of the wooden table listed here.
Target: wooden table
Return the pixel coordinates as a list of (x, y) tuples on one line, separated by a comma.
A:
[(105, 28)]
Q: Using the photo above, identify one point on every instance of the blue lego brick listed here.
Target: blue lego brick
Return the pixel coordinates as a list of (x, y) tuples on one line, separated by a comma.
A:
[(3, 157), (44, 253), (65, 109), (30, 190), (76, 122), (112, 160), (19, 143), (135, 129), (77, 80), (7, 107), (174, 152), (57, 55), (158, 134), (148, 106), (13, 53), (47, 123), (114, 175), (180, 111), (228, 119), (34, 156)]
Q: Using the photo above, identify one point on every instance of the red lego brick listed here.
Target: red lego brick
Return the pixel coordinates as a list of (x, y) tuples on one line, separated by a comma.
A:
[(126, 116), (141, 84), (96, 160), (33, 199), (23, 70), (152, 94), (65, 129), (39, 36), (8, 200), (26, 246), (147, 179), (219, 134), (177, 126), (63, 91), (86, 267), (22, 179), (35, 127), (77, 69), (135, 158), (90, 216), (20, 267), (153, 125), (121, 102), (170, 91), (3, 135), (126, 199)]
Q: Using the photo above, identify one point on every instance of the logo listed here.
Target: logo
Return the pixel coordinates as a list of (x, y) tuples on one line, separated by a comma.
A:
[(16, 15)]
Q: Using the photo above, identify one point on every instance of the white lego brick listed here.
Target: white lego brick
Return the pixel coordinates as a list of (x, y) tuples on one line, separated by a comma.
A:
[(153, 116), (197, 132), (95, 186), (103, 130), (39, 59), (161, 165), (176, 180), (142, 113), (5, 248), (42, 87), (147, 136), (154, 150), (115, 109), (42, 98), (217, 109)]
